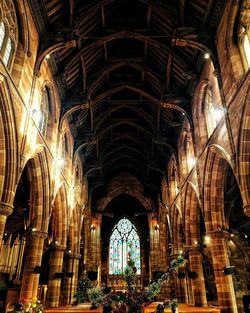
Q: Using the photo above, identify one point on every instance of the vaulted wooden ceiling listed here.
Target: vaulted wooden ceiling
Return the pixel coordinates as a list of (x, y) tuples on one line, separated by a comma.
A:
[(126, 71)]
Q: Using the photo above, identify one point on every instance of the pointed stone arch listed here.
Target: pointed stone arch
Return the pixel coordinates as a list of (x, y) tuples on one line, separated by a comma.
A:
[(214, 176), (9, 145), (60, 216), (191, 215), (244, 154)]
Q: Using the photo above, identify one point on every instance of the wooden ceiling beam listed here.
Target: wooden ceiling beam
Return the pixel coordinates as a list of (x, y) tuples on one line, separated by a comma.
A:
[(149, 13), (182, 11), (71, 13), (103, 16), (84, 75), (168, 73)]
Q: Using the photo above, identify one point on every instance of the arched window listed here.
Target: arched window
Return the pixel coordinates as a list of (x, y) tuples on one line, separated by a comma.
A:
[(244, 35), (2, 34), (209, 111), (189, 152), (8, 52), (124, 244), (8, 32)]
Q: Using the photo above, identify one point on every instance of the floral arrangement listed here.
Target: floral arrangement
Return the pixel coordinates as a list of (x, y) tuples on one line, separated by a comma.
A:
[(172, 304), (31, 305), (84, 284), (134, 300)]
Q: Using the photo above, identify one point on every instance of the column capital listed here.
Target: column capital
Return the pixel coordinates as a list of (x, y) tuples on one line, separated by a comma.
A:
[(194, 248), (38, 234), (6, 209), (246, 209), (219, 233), (74, 256), (59, 247)]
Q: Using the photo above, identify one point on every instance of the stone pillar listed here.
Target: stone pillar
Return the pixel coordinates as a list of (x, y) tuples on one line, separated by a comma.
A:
[(5, 211), (70, 284), (33, 258), (224, 283), (181, 289), (198, 283), (54, 284), (154, 245)]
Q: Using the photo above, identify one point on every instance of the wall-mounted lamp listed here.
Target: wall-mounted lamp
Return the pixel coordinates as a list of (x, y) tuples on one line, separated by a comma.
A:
[(60, 162), (157, 226), (92, 227)]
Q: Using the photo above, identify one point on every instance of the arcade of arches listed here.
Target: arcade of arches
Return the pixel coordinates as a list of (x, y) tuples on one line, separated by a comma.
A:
[(125, 129)]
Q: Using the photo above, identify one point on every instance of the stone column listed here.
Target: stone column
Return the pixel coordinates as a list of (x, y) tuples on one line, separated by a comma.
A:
[(70, 284), (180, 284), (5, 211), (198, 283), (54, 284), (33, 258), (224, 283), (154, 245)]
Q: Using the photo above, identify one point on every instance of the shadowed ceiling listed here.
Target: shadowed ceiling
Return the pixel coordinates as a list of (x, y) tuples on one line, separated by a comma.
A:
[(126, 71)]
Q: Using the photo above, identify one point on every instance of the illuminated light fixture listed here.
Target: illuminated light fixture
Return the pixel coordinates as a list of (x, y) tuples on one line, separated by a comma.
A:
[(56, 242), (47, 57), (60, 162), (69, 251), (183, 113), (232, 235), (206, 56), (246, 236), (206, 239), (37, 116), (218, 113), (196, 242), (192, 161), (92, 227), (157, 226), (177, 189), (180, 252), (34, 229)]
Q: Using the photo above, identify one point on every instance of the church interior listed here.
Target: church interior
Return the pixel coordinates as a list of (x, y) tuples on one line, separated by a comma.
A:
[(125, 132)]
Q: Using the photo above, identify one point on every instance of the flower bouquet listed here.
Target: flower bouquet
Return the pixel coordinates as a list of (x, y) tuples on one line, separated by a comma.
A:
[(31, 305)]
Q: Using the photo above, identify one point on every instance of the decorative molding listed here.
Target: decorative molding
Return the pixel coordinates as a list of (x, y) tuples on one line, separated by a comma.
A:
[(6, 209)]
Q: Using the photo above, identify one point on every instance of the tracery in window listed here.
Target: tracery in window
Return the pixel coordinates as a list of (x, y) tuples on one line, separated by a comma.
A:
[(124, 244), (209, 112), (2, 34), (7, 52), (8, 31)]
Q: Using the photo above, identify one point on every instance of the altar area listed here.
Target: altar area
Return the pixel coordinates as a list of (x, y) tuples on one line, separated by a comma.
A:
[(183, 308)]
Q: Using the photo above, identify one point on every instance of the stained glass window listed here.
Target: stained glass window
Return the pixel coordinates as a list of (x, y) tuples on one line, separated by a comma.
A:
[(2, 34), (8, 51), (124, 244)]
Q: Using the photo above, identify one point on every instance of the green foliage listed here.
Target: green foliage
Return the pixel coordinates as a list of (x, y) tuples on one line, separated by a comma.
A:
[(84, 284), (172, 304), (96, 296), (153, 290), (133, 298)]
